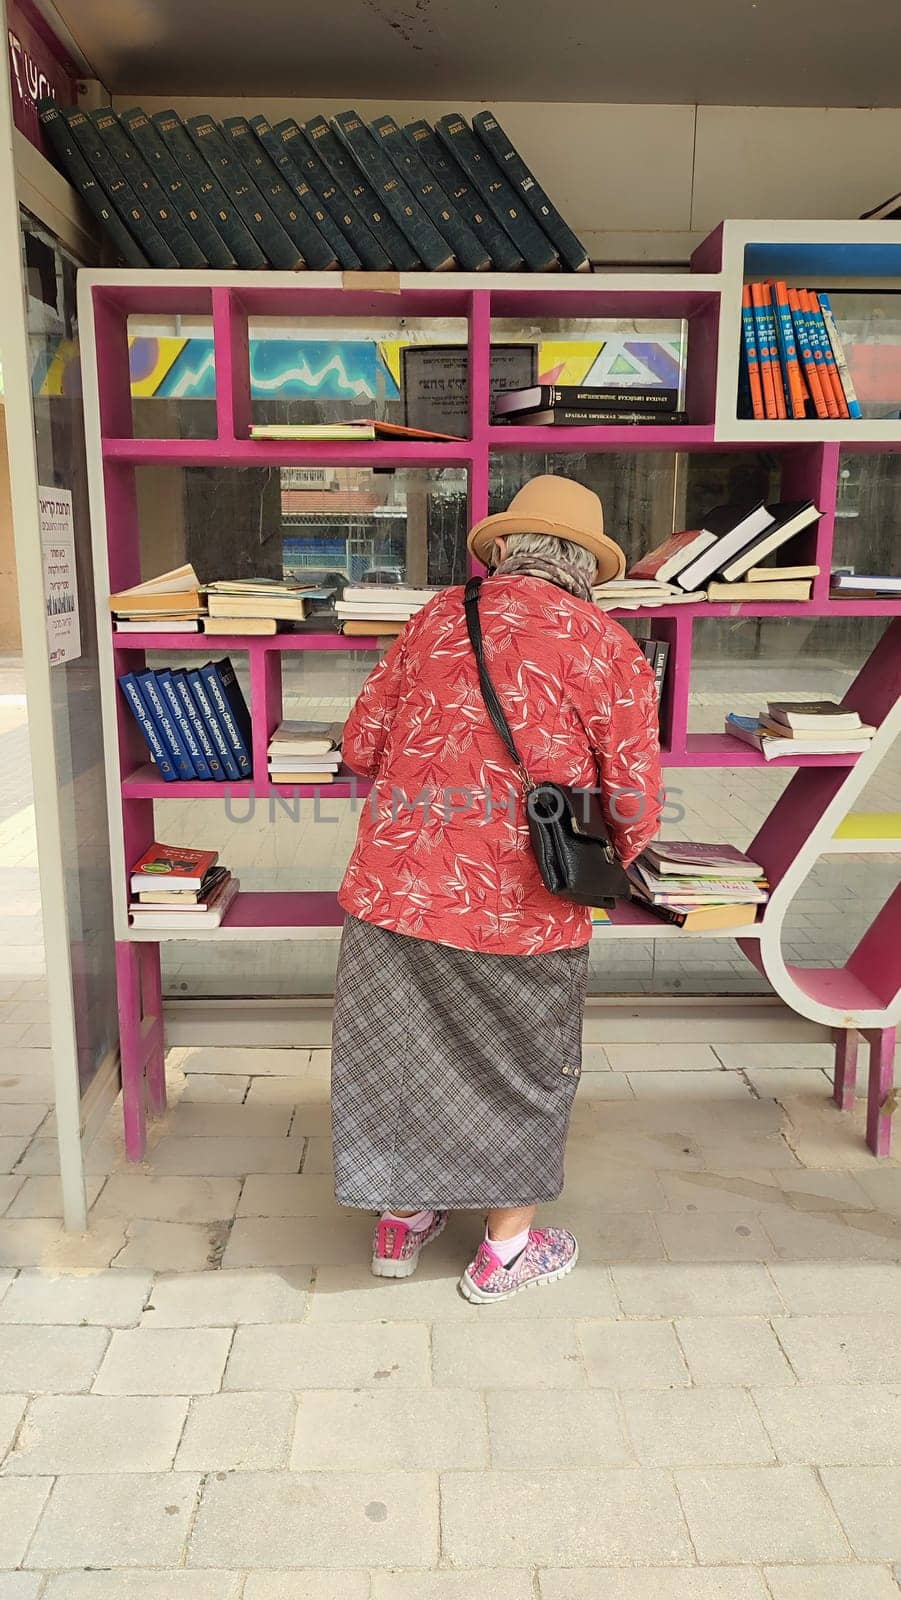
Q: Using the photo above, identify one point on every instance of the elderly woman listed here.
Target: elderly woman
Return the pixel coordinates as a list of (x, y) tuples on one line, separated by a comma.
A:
[(461, 979)]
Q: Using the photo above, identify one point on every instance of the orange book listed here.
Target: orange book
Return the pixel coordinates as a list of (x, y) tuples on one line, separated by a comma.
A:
[(788, 350), (769, 376), (752, 358), (829, 373), (805, 355)]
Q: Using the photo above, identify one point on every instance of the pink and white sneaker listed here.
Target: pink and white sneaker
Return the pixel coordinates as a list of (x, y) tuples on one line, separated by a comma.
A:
[(396, 1247), (550, 1254)]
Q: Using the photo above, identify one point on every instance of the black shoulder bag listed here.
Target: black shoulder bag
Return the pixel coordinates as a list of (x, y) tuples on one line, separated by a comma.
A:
[(567, 827)]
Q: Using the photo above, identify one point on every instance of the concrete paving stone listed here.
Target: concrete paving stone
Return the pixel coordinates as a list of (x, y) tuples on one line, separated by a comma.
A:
[(597, 1089), (691, 1427), (733, 1350), (21, 1120), (608, 1236), (660, 1057), (223, 1299), (207, 1120), (318, 1154), (217, 1088), (237, 1433), (143, 1361), (756, 1514), (7, 1278), (714, 1236), (827, 1288), (653, 1583), (367, 1430), (838, 1583), (9, 1188), (864, 1349), (613, 1186), (531, 1355), (228, 1059), (307, 1585), (489, 1584), (831, 1237), (298, 1241), (670, 1289), (107, 1299), (289, 1195), (36, 1242), (12, 1146), (594, 1058), (130, 1520), (608, 1516), (738, 1057), (704, 1087), (22, 1585), (91, 1433), (21, 1502), (171, 1246), (882, 1188), (224, 1157), (132, 1195), (532, 1429), (282, 1357), (42, 1197), (868, 1503), (632, 1355), (102, 1156), (50, 1360), (788, 1083), (318, 1519), (834, 1424), (12, 1410), (761, 1152), (352, 1294), (119, 1584)]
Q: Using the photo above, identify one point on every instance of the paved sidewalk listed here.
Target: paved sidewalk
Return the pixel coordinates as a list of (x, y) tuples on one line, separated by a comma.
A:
[(210, 1397)]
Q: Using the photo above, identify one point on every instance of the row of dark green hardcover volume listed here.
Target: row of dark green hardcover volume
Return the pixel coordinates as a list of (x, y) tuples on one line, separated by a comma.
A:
[(323, 195)]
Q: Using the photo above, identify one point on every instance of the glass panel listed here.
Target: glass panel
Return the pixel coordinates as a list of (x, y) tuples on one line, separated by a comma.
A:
[(737, 665), (869, 325), (173, 377), (59, 432), (867, 513), (328, 369), (356, 522), (599, 352)]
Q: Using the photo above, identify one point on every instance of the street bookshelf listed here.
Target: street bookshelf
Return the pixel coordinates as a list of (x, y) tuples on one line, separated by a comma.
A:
[(863, 996)]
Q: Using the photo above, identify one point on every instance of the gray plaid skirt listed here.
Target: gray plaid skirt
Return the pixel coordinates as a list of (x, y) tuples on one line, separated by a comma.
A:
[(453, 1072)]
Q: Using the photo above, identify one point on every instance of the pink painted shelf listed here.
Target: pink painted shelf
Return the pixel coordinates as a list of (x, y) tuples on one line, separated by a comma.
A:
[(145, 784), (709, 296)]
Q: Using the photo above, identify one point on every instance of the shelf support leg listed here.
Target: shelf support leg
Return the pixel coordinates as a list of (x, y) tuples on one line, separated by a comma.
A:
[(847, 1043), (880, 1096), (134, 1109), (154, 1038)]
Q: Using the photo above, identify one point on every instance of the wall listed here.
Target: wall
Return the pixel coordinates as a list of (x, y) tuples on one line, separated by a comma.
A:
[(646, 182), (10, 629)]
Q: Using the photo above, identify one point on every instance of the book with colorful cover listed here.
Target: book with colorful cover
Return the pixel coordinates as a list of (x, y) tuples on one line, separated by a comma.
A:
[(767, 356), (838, 352), (820, 340), (818, 354), (795, 387), (181, 866), (752, 358), (687, 858), (806, 355)]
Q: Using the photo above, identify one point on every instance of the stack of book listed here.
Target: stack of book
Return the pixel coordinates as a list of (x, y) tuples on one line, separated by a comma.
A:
[(802, 727), (195, 723), (863, 586), (173, 602), (344, 194), (181, 889), (735, 542), (700, 887), (380, 608), (548, 405), (793, 362), (255, 605), (305, 752), (634, 594), (358, 428)]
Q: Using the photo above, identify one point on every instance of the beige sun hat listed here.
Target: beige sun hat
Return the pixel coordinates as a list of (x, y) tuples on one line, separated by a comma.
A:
[(559, 508)]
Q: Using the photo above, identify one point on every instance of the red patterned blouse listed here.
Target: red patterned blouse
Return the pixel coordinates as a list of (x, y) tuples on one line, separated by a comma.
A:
[(443, 850)]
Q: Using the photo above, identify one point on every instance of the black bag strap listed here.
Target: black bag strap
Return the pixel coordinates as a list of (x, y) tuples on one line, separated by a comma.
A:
[(489, 693)]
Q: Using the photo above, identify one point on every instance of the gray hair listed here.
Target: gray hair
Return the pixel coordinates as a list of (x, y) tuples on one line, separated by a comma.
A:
[(573, 558)]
